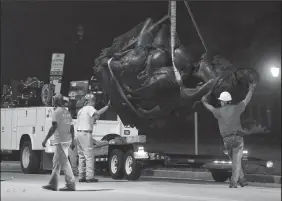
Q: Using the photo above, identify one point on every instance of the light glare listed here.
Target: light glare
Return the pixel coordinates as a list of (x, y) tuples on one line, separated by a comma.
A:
[(274, 71)]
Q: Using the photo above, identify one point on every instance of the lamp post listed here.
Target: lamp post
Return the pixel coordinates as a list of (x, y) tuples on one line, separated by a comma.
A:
[(275, 73)]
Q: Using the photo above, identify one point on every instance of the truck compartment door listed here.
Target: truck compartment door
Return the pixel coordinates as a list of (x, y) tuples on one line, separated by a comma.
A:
[(27, 117), (6, 128), (15, 140), (39, 134), (48, 122)]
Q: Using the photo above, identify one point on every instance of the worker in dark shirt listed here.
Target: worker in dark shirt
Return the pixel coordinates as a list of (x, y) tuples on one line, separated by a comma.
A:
[(230, 127)]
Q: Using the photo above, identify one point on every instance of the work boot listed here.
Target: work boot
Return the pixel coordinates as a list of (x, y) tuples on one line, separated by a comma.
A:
[(67, 189), (82, 180), (232, 185), (243, 183), (91, 180), (50, 187)]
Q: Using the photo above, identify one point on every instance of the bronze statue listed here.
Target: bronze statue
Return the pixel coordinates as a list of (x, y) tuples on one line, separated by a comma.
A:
[(141, 82)]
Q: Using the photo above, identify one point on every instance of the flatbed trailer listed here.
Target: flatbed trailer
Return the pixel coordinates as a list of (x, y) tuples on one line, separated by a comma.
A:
[(126, 158), (119, 149)]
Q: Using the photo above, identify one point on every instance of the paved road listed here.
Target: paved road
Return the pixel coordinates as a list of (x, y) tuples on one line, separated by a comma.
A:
[(17, 186)]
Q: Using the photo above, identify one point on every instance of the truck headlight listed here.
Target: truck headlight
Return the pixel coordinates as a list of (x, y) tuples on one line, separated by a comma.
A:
[(245, 152), (269, 164), (141, 153), (141, 148)]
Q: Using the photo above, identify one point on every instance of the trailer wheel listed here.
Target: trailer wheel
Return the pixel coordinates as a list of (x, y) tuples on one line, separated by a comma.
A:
[(132, 167), (116, 164), (30, 160), (220, 175), (109, 137)]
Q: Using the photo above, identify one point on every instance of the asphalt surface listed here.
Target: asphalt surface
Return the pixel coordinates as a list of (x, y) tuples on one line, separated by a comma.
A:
[(18, 186)]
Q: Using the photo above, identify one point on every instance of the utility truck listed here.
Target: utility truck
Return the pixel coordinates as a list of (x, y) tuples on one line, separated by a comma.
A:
[(118, 148)]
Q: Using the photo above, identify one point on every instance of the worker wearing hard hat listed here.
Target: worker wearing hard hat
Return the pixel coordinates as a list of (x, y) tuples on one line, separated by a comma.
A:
[(230, 127), (63, 137), (86, 118)]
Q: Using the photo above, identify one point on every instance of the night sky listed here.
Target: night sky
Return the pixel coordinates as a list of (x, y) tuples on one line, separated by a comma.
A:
[(247, 33)]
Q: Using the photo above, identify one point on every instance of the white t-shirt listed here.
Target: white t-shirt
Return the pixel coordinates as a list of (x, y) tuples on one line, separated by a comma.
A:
[(85, 118)]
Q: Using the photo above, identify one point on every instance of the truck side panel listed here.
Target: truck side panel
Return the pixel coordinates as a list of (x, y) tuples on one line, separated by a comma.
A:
[(14, 130), (102, 128), (27, 117), (48, 122), (39, 134), (6, 126)]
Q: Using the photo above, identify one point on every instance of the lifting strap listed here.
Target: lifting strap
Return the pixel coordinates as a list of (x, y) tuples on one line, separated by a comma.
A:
[(172, 41)]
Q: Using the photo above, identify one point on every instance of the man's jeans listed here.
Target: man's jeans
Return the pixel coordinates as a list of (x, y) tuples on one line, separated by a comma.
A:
[(60, 161), (234, 145), (74, 158), (86, 161)]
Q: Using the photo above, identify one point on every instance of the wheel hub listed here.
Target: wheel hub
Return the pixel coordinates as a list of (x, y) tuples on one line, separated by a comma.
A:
[(128, 165), (114, 164), (25, 157)]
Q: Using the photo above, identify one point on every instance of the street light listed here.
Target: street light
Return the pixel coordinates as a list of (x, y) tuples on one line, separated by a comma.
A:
[(274, 71)]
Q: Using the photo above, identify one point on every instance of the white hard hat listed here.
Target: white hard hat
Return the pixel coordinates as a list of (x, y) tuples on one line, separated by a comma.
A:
[(225, 96)]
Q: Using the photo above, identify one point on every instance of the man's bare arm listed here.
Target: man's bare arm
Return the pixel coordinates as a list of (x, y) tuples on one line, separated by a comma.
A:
[(50, 132), (250, 94), (103, 110), (206, 104)]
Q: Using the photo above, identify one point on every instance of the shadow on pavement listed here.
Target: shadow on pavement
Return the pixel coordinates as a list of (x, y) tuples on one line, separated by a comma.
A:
[(7, 179), (183, 181), (115, 181), (95, 190)]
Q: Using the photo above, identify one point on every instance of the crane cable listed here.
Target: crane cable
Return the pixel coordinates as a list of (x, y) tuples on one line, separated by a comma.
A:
[(195, 24)]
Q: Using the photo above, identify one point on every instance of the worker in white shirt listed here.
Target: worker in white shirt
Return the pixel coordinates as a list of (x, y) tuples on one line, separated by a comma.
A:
[(86, 118), (73, 155)]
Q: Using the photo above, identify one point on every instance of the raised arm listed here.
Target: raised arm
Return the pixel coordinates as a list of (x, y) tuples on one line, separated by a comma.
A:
[(206, 104), (250, 94), (104, 109)]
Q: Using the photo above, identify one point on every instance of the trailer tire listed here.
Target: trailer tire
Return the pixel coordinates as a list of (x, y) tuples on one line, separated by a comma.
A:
[(132, 167), (116, 162), (109, 137), (30, 159), (220, 176)]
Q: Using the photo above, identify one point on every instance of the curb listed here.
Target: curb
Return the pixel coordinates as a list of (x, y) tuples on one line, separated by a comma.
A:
[(14, 166), (10, 166), (177, 174)]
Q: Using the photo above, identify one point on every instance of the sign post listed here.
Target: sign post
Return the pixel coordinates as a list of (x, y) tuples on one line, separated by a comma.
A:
[(56, 73), (196, 132)]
